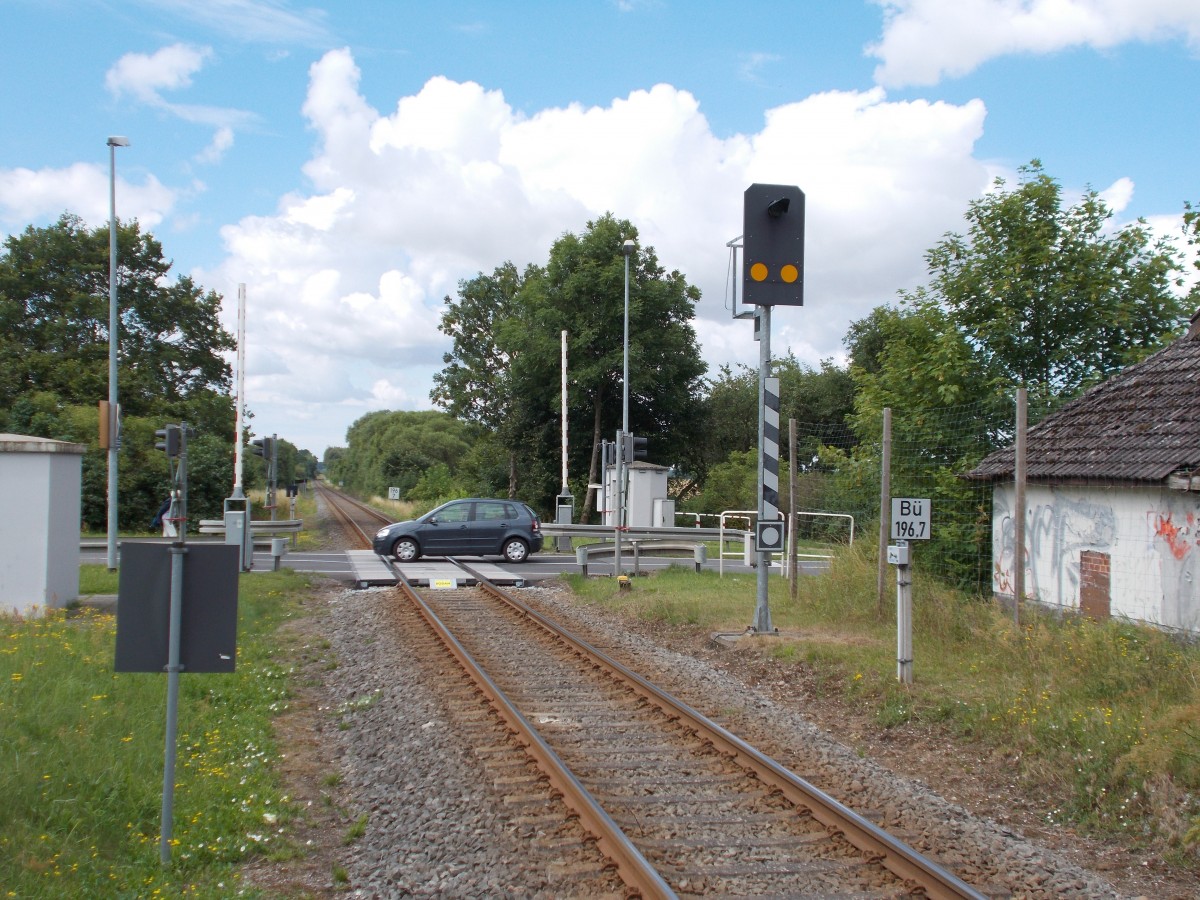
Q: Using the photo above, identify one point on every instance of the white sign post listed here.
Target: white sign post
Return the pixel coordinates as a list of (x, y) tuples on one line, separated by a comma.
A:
[(910, 522), (393, 493)]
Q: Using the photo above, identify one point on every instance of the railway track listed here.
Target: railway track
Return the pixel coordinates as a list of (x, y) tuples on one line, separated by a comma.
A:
[(359, 520), (677, 804)]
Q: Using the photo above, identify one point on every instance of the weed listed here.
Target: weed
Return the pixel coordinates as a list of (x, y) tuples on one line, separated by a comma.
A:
[(357, 830)]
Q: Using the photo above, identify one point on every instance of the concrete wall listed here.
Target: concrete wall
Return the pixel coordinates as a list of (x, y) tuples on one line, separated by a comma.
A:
[(1141, 544), (39, 523)]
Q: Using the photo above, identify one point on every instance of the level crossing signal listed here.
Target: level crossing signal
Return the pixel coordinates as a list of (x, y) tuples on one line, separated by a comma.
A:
[(263, 447), (633, 448), (168, 440), (773, 245)]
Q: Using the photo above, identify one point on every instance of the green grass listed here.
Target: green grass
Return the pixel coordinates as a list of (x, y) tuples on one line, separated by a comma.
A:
[(1101, 715), (81, 757), (97, 580)]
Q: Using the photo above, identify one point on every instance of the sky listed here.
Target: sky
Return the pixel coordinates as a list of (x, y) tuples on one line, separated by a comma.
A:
[(350, 163)]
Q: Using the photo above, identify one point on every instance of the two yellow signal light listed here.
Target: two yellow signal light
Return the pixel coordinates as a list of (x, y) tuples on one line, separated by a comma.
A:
[(787, 273)]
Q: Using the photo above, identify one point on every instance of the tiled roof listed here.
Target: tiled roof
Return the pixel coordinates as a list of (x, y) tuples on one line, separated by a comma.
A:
[(1141, 425)]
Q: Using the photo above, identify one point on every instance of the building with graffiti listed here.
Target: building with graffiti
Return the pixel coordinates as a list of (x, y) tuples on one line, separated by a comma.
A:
[(1112, 503)]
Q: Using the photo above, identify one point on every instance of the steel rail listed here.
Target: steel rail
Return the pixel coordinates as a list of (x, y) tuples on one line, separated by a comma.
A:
[(895, 855), (635, 870), (336, 500), (382, 518)]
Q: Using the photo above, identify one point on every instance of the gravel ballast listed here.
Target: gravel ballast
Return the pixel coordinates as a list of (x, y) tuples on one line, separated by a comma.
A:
[(434, 821)]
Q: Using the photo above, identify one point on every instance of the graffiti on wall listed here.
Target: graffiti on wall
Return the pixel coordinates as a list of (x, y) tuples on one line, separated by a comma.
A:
[(1056, 531), (1153, 537), (1177, 536)]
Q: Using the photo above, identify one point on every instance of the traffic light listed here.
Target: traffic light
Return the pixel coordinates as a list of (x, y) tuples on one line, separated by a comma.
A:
[(168, 440), (263, 447), (773, 245), (632, 448)]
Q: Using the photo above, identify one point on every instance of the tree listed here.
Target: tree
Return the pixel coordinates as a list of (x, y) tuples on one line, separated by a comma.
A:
[(1034, 295), (54, 311), (477, 384), (821, 401), (396, 449), (1048, 296), (504, 367)]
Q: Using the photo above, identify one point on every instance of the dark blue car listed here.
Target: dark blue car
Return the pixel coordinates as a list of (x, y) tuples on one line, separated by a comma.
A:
[(473, 527)]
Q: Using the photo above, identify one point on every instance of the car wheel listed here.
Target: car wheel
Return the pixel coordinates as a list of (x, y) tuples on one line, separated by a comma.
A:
[(406, 550), (515, 550)]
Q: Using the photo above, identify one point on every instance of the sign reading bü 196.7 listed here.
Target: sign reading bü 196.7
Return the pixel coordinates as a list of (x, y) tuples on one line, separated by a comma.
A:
[(910, 519)]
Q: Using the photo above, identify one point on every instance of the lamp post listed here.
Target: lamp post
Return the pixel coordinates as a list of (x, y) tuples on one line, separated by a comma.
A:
[(626, 251), (619, 520), (113, 143)]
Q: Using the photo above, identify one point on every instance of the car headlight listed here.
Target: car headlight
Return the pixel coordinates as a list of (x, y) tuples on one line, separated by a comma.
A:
[(382, 532)]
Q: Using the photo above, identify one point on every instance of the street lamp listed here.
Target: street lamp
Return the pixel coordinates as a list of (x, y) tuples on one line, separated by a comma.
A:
[(113, 143), (627, 251), (619, 518)]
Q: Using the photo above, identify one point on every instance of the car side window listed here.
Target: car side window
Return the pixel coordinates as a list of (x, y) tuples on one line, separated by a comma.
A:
[(492, 512), (460, 512)]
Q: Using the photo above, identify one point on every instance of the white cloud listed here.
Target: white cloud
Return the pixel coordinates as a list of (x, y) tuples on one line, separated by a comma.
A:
[(221, 142), (41, 195), (146, 77), (925, 41), (346, 283), (1118, 194)]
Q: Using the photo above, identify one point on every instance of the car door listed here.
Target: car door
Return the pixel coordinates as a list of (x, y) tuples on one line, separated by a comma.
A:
[(449, 534), (493, 519)]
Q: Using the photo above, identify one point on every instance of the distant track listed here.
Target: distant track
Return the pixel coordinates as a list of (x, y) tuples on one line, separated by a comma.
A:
[(360, 520)]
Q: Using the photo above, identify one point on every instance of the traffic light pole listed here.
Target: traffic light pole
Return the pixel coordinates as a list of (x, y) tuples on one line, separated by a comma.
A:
[(175, 445), (773, 274)]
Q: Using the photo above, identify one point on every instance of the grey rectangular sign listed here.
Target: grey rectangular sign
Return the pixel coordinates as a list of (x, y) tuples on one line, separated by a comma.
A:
[(208, 628)]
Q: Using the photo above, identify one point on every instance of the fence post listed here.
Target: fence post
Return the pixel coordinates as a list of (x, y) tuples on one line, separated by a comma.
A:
[(791, 549), (1019, 476)]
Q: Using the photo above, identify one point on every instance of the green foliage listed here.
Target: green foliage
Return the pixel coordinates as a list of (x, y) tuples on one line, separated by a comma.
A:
[(435, 486), (1035, 294), (54, 311), (83, 751), (504, 369), (821, 401), (1049, 297), (395, 449), (732, 484)]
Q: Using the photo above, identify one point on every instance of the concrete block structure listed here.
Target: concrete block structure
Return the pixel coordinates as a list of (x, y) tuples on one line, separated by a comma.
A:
[(40, 487)]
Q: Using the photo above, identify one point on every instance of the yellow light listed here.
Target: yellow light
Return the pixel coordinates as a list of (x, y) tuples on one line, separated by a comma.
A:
[(789, 273), (758, 272)]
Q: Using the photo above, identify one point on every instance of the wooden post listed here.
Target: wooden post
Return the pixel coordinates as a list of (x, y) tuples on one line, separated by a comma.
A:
[(1019, 476), (791, 550)]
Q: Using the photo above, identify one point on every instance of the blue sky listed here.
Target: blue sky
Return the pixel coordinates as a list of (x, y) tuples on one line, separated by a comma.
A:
[(351, 162)]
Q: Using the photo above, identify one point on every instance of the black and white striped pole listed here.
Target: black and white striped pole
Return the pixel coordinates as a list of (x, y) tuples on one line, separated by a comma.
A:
[(772, 275), (769, 531)]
